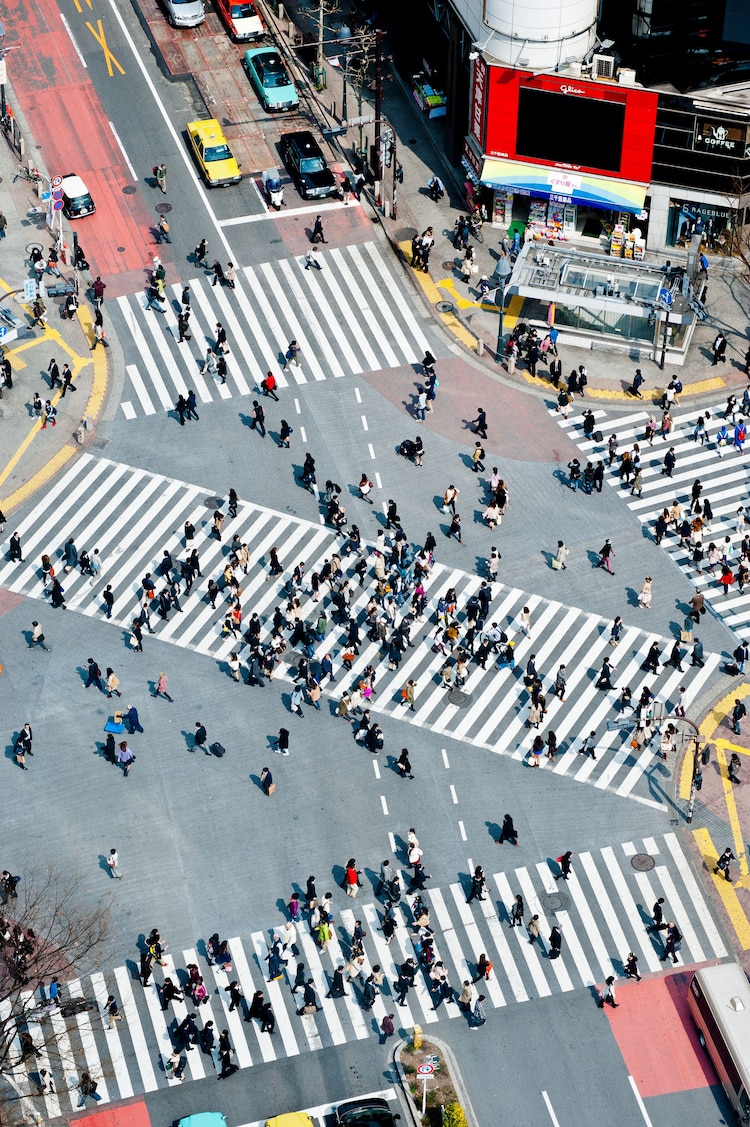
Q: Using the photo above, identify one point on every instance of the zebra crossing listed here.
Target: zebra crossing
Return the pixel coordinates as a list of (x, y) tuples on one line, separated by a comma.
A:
[(724, 477), (350, 317), (602, 912), (131, 515)]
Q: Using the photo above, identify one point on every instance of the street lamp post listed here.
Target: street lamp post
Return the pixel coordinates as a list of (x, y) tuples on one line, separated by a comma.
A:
[(664, 343), (503, 271)]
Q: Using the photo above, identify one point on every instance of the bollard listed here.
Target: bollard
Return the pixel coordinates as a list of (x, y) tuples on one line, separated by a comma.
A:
[(417, 1039), (480, 348)]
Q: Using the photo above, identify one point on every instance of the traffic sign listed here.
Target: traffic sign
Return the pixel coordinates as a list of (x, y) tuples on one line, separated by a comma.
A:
[(57, 205), (56, 181), (425, 1069), (665, 296), (3, 330), (29, 290)]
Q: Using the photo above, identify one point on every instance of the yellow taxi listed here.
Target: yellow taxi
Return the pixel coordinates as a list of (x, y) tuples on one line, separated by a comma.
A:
[(291, 1119), (211, 151)]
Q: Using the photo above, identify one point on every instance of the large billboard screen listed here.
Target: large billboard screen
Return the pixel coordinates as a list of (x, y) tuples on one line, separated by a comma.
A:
[(575, 130), (571, 123)]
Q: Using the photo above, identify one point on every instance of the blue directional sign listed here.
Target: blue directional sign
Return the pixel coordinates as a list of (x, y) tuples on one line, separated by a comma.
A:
[(665, 296)]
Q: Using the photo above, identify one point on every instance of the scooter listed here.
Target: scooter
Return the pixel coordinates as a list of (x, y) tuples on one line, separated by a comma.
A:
[(272, 188)]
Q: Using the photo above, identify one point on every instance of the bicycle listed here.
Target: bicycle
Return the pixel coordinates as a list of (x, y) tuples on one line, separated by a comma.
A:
[(475, 229), (29, 174)]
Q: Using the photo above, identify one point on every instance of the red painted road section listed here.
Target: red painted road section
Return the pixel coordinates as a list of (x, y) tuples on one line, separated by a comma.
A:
[(9, 601), (70, 128), (125, 1115), (342, 226), (657, 1038)]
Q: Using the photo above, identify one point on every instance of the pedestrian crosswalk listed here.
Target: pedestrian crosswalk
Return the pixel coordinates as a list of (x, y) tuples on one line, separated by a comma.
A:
[(349, 317), (132, 515), (602, 912), (722, 472)]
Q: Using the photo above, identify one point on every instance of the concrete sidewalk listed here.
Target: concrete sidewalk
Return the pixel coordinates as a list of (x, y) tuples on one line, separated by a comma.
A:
[(32, 455), (421, 149)]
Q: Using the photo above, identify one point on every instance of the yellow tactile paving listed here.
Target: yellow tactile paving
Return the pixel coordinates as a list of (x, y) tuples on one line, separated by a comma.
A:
[(725, 888), (98, 361)]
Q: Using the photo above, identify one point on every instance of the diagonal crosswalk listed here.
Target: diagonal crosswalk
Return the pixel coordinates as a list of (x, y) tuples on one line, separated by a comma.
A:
[(723, 474), (131, 515), (348, 318), (602, 912)]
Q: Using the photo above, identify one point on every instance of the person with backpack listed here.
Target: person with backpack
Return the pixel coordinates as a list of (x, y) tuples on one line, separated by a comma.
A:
[(740, 434)]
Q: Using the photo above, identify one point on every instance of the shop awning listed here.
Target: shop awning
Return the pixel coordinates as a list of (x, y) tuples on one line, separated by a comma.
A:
[(564, 186)]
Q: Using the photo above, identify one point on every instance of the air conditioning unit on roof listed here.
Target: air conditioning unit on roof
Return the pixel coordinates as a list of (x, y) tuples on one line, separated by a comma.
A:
[(603, 66)]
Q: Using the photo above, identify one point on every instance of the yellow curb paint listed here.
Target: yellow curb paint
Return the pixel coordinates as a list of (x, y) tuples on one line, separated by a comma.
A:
[(729, 746), (433, 295), (711, 722), (734, 821), (724, 888), (48, 471), (98, 359), (513, 312), (93, 408)]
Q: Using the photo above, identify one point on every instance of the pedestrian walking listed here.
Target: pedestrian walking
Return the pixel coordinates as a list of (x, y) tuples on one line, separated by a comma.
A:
[(160, 174), (112, 1010), (644, 597), (93, 675), (565, 862), (259, 419), (87, 1087), (267, 783), (480, 423), (673, 942), (478, 1015), (555, 943), (218, 273), (160, 690), (508, 831), (723, 863), (607, 994), (387, 1028), (738, 712), (125, 758), (37, 636), (403, 764), (606, 554), (162, 230), (311, 259), (657, 915), (317, 235), (631, 966), (113, 862), (516, 912)]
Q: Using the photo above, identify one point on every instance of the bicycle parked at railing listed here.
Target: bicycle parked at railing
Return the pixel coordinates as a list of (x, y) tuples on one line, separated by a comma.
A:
[(30, 174)]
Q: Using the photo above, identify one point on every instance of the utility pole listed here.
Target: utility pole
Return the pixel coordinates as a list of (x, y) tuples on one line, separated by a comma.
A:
[(378, 163)]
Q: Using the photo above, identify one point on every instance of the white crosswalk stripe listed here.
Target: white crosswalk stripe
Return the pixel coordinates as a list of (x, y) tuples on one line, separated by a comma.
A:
[(724, 478), (348, 318), (602, 913), (132, 516)]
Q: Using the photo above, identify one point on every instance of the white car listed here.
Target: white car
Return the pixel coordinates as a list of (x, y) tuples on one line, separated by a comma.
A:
[(185, 13)]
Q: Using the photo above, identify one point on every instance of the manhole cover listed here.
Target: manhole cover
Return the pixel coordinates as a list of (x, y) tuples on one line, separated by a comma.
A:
[(444, 307), (553, 902), (129, 190), (163, 208), (459, 699), (213, 502), (121, 250), (642, 862), (449, 264)]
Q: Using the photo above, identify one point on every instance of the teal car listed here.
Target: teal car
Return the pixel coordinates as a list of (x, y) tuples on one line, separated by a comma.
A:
[(270, 79)]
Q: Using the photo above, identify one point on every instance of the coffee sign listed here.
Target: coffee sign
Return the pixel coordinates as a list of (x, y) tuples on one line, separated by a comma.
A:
[(721, 137)]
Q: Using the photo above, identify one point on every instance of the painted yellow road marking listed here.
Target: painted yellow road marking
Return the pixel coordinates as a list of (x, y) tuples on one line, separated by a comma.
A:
[(101, 40), (433, 295), (711, 722), (724, 888), (93, 408)]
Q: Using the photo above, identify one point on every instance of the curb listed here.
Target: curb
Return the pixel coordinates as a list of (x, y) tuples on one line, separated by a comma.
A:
[(456, 1077), (91, 413)]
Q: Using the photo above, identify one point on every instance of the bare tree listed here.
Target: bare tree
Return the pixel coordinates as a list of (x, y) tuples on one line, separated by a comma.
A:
[(50, 929)]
